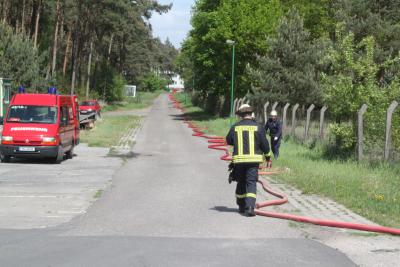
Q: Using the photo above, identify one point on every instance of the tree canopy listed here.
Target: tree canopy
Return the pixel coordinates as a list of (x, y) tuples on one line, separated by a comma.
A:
[(340, 53), (78, 40)]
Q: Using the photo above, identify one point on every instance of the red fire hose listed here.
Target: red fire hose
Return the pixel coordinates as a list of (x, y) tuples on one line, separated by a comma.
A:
[(218, 143)]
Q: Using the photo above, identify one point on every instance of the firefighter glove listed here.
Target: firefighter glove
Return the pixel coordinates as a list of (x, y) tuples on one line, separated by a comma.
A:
[(268, 156)]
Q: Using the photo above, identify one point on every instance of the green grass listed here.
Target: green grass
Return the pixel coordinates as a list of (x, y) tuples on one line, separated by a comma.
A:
[(211, 124), (98, 194), (109, 130), (371, 191), (143, 100)]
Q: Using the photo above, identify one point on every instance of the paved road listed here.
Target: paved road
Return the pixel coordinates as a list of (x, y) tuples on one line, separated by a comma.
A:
[(38, 194), (170, 205)]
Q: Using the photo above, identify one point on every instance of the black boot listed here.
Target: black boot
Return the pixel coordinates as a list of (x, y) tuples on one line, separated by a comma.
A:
[(241, 209), (249, 212)]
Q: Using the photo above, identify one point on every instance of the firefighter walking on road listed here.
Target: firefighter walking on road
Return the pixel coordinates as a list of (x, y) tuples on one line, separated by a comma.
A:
[(274, 126), (250, 146)]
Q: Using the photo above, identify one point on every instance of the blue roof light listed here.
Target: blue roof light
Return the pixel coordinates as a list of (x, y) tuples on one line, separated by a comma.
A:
[(21, 89), (52, 90)]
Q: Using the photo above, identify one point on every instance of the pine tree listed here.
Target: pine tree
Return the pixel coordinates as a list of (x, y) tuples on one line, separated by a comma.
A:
[(289, 71)]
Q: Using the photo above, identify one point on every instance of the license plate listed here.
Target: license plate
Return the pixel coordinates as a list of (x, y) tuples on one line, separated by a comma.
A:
[(26, 149)]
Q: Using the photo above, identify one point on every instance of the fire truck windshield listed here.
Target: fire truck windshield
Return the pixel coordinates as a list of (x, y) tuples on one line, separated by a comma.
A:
[(32, 114), (88, 103)]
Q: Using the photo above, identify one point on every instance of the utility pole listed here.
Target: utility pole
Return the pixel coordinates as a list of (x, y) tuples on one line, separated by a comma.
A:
[(233, 44)]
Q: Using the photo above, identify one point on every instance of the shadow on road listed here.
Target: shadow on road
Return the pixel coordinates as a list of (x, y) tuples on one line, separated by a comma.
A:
[(36, 161), (194, 115), (224, 209)]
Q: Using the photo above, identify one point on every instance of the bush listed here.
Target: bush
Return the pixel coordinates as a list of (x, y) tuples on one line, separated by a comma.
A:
[(110, 84), (152, 83), (343, 141), (351, 83)]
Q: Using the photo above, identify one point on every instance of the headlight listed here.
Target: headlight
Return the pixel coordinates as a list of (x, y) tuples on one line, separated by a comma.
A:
[(90, 110), (48, 139), (6, 140)]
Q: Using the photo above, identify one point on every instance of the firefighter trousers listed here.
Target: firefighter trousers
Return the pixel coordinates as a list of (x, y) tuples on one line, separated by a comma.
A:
[(246, 190), (275, 145)]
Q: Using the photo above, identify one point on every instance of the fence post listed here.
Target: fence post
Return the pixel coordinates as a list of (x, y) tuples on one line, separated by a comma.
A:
[(388, 139), (235, 105), (284, 116), (360, 129), (295, 107), (322, 121), (243, 99), (309, 110), (275, 105), (266, 111), (240, 102)]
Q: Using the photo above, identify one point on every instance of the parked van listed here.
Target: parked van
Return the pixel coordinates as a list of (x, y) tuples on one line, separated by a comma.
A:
[(40, 126)]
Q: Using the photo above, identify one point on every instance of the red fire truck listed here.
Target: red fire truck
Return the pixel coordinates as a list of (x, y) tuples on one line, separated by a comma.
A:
[(40, 126)]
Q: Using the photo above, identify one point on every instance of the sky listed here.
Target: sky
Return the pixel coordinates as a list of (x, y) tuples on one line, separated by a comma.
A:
[(175, 24)]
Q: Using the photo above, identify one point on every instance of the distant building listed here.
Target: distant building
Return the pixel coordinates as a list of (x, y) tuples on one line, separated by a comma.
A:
[(177, 83)]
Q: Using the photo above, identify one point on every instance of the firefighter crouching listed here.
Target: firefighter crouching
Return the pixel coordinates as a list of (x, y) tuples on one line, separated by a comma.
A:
[(250, 145)]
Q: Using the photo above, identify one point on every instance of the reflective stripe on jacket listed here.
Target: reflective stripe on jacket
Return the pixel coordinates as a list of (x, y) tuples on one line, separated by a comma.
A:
[(249, 142)]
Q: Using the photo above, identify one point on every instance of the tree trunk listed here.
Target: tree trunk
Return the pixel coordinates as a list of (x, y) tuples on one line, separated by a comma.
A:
[(62, 23), (96, 64), (17, 26), (35, 38), (88, 70), (67, 48), (74, 59), (110, 48), (48, 71), (55, 40), (5, 11), (23, 17), (31, 16), (108, 61)]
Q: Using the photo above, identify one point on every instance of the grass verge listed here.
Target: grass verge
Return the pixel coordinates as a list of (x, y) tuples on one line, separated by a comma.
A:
[(143, 100), (211, 124), (371, 191), (109, 130)]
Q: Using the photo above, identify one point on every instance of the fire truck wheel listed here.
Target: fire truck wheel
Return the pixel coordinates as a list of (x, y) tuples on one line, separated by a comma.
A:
[(60, 156), (5, 159), (70, 154)]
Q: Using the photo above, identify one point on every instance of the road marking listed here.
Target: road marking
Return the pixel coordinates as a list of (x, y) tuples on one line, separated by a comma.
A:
[(29, 196)]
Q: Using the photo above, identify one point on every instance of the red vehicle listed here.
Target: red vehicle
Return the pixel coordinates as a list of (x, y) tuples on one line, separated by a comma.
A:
[(40, 126), (90, 106)]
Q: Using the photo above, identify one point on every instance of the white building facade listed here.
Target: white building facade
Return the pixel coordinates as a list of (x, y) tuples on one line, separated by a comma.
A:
[(177, 83)]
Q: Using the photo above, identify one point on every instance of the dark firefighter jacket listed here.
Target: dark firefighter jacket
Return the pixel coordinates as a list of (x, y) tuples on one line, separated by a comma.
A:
[(249, 141), (274, 127)]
